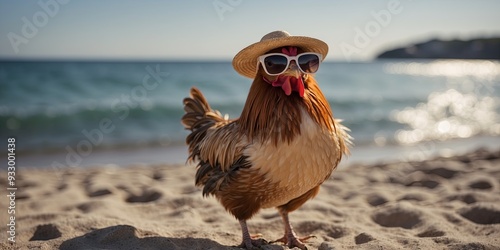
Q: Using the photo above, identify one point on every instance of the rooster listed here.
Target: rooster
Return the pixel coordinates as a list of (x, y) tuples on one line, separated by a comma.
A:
[(284, 145)]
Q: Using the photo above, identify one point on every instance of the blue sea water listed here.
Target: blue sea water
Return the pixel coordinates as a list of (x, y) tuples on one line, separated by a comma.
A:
[(80, 108)]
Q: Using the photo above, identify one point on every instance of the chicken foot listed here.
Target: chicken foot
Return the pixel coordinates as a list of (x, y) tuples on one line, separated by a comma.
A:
[(250, 241), (290, 238)]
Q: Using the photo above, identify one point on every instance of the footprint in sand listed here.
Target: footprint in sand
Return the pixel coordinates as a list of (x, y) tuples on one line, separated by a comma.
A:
[(363, 238), (441, 171), (398, 215), (98, 192), (88, 207), (95, 188), (481, 213), (416, 196), (481, 184), (428, 183), (158, 176), (468, 197), (145, 196), (376, 200), (431, 231), (46, 232), (333, 231)]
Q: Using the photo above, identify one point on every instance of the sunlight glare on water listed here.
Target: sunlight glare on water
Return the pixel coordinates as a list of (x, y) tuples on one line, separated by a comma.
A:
[(468, 107), (482, 69)]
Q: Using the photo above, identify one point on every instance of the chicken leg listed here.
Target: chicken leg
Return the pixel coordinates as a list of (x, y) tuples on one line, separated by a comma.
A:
[(249, 242), (290, 238)]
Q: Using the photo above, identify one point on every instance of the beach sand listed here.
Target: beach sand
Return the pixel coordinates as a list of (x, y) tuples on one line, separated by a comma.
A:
[(443, 203)]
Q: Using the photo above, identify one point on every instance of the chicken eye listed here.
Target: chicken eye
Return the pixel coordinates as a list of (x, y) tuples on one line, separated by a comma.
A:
[(275, 64)]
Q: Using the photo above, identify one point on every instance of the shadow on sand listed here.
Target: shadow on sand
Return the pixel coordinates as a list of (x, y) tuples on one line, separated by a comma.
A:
[(128, 237)]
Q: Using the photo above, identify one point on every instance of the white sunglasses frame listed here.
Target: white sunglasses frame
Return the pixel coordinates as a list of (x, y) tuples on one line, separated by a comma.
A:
[(289, 60)]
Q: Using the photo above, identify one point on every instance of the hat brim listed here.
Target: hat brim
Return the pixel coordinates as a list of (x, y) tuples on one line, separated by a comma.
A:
[(245, 62)]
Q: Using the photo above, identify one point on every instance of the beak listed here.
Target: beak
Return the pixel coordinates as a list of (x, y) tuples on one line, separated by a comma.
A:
[(293, 70), (291, 80)]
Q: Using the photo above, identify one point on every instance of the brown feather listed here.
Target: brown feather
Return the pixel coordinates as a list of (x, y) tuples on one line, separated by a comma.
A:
[(202, 120), (269, 114), (299, 201), (268, 111)]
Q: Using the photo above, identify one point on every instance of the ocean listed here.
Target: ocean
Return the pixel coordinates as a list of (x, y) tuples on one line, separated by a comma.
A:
[(86, 113)]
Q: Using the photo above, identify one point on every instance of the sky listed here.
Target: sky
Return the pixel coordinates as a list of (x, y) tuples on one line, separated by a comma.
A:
[(218, 29)]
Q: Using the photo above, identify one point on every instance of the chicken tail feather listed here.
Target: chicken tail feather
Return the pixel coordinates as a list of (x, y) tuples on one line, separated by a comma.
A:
[(199, 117)]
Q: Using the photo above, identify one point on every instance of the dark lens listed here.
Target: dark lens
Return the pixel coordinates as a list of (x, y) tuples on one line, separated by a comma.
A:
[(275, 64), (309, 63)]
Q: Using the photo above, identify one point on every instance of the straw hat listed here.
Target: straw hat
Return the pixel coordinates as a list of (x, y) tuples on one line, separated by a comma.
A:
[(245, 62)]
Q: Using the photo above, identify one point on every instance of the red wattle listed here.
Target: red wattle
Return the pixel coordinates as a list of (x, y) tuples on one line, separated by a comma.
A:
[(288, 84), (298, 86)]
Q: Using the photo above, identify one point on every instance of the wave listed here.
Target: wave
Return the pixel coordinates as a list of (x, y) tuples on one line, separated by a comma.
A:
[(382, 103)]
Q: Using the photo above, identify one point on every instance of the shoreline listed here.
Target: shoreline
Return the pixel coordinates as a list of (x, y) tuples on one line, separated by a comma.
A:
[(444, 202), (177, 154)]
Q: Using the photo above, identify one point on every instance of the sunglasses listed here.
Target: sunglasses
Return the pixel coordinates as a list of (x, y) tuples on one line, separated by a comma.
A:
[(277, 63)]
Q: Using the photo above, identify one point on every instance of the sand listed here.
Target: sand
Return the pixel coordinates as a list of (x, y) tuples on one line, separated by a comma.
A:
[(443, 203)]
